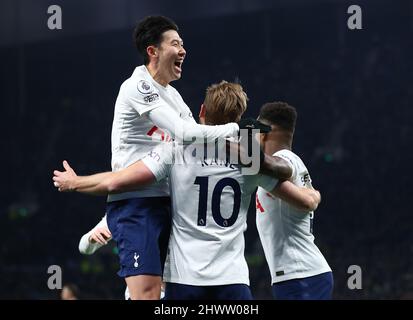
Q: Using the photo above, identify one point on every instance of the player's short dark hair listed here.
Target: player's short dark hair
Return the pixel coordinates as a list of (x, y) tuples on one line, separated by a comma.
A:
[(279, 113), (149, 31)]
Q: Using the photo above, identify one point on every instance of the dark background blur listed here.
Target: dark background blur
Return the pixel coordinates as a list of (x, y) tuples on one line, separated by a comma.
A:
[(352, 89)]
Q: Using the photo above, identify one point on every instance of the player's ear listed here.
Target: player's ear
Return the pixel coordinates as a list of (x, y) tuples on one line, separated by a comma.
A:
[(262, 138), (152, 51), (202, 114)]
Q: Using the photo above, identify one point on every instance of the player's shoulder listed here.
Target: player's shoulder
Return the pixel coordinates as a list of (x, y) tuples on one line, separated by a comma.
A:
[(172, 89), (174, 92), (287, 155), (140, 73), (141, 81), (140, 87), (290, 157)]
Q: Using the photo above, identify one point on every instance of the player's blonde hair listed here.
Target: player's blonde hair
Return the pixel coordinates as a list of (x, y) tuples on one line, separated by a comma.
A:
[(224, 102)]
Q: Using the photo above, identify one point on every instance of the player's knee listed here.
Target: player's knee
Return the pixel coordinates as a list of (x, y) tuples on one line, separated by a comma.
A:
[(148, 292), (150, 295), (145, 290), (144, 287)]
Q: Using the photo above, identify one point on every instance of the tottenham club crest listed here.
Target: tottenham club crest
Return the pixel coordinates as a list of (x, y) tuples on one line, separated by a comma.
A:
[(145, 87), (136, 257)]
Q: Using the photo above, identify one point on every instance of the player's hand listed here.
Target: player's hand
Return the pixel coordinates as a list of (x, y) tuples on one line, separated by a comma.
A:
[(317, 196), (236, 148), (100, 235), (64, 181), (252, 124), (247, 126)]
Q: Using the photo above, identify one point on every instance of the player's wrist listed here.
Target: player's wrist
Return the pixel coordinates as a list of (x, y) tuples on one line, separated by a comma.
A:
[(75, 184)]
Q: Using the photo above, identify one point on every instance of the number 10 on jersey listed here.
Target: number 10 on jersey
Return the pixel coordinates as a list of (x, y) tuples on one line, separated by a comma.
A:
[(216, 201)]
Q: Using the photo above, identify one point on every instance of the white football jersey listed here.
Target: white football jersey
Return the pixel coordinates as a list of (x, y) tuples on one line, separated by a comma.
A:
[(133, 134), (286, 233), (210, 200)]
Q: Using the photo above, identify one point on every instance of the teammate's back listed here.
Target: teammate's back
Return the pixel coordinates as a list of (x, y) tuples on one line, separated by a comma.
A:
[(286, 232), (210, 199), (298, 268), (210, 202)]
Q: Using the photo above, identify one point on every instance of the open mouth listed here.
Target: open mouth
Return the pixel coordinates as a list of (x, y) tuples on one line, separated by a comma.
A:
[(178, 65)]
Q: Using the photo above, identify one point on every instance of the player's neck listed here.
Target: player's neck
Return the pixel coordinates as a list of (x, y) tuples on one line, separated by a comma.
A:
[(156, 74), (274, 145), (276, 140)]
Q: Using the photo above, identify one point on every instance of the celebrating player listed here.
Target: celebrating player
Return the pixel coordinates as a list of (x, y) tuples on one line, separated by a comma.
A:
[(148, 111), (210, 200), (298, 269)]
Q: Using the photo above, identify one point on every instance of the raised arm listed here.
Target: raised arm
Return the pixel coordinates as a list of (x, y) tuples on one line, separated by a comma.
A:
[(272, 166), (130, 178), (185, 131), (304, 199)]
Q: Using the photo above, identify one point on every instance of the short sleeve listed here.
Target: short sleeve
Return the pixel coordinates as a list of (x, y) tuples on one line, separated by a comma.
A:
[(186, 113), (142, 95), (159, 160), (266, 182), (289, 157)]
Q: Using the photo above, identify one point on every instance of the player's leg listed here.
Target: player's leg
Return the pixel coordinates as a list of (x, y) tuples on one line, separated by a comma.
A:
[(177, 291), (144, 287), (158, 222), (127, 295), (232, 292), (140, 226), (163, 291)]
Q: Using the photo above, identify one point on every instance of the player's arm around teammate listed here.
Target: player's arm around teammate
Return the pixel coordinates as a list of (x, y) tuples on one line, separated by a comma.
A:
[(139, 174)]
